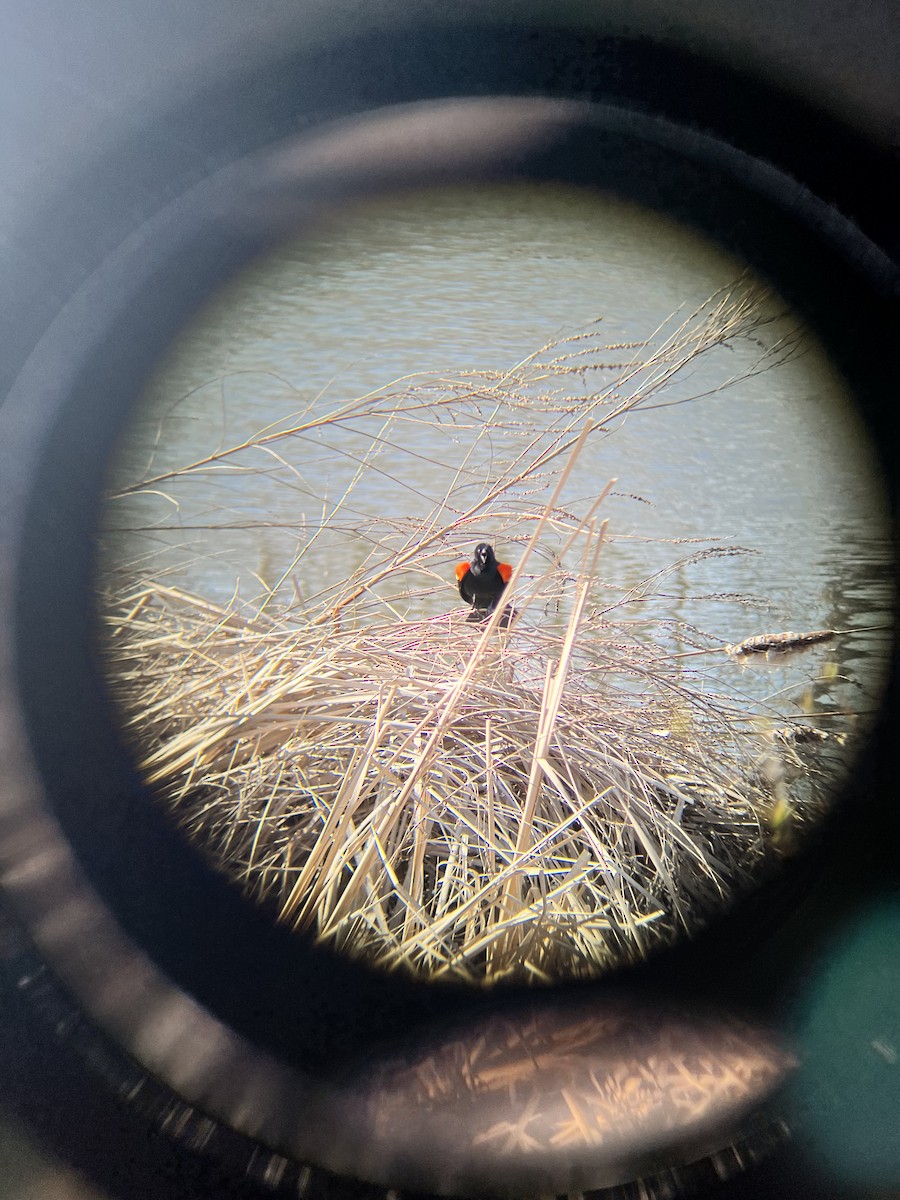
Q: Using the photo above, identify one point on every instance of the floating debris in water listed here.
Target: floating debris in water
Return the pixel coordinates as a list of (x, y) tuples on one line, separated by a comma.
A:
[(764, 642)]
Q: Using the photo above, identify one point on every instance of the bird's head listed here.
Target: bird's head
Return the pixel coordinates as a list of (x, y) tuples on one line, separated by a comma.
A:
[(483, 557)]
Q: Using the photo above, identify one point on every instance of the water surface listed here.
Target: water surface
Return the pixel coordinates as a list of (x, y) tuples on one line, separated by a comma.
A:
[(481, 278)]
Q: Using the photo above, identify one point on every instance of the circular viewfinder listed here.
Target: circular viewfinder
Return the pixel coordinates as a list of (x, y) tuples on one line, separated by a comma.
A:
[(448, 551), (496, 581)]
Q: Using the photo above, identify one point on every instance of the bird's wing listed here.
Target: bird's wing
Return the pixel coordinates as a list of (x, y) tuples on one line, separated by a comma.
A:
[(505, 571), (462, 570)]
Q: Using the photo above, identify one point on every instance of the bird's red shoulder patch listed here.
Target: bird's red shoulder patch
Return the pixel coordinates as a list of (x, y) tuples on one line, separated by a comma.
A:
[(461, 569), (505, 571)]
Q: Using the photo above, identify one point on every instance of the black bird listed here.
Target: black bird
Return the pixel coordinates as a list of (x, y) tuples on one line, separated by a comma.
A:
[(481, 582)]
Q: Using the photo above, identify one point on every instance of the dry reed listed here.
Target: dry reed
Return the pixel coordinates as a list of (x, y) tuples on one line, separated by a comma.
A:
[(568, 815), (461, 802)]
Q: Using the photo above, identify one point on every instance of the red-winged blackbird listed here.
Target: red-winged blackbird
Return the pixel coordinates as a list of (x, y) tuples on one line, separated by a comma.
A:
[(481, 582)]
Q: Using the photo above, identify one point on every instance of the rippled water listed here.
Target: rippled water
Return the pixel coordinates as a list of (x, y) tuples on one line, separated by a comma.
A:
[(481, 278)]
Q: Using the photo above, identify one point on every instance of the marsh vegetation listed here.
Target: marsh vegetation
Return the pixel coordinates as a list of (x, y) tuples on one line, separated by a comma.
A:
[(469, 801)]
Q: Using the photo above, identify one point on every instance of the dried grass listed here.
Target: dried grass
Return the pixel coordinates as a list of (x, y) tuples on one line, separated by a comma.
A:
[(531, 806), (460, 802)]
